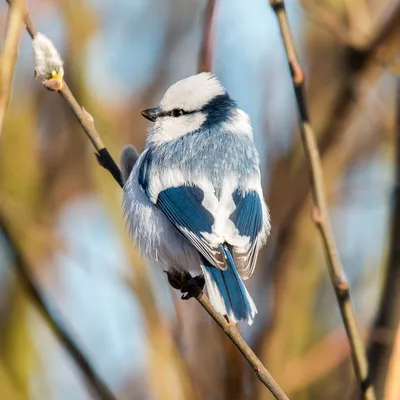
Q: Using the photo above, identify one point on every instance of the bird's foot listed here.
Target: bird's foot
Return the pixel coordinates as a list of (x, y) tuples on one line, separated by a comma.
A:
[(188, 285), (193, 287)]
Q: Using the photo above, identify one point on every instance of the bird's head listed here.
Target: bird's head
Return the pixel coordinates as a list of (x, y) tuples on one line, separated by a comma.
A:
[(192, 104)]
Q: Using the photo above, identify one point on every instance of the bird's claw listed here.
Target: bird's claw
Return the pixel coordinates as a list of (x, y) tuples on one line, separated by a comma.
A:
[(188, 285), (193, 287)]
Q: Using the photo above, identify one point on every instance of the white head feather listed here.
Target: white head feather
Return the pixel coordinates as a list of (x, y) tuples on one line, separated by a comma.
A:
[(190, 95)]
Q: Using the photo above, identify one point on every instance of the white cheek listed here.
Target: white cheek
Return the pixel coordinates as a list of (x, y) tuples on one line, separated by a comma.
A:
[(175, 127), (169, 128)]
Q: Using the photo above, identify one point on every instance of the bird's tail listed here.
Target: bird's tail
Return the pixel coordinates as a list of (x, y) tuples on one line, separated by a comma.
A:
[(227, 292)]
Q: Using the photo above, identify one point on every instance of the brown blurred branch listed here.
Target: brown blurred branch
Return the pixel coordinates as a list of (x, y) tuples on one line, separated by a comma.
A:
[(384, 32), (205, 59), (231, 331), (392, 386), (318, 361), (356, 40), (25, 275), (364, 65), (27, 20), (321, 216), (388, 316), (9, 54)]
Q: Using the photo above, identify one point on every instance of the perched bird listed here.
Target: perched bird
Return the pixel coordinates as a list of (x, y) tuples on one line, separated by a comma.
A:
[(193, 198)]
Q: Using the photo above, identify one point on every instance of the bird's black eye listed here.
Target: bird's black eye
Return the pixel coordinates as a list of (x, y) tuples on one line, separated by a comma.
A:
[(177, 112)]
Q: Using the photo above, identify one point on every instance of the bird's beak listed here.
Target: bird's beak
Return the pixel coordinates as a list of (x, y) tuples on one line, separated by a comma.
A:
[(151, 113)]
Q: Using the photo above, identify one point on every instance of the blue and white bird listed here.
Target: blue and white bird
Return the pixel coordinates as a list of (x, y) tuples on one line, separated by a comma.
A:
[(193, 198)]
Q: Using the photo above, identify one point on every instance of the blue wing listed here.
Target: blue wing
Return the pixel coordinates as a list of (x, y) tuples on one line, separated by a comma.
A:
[(183, 207), (248, 220), (247, 217)]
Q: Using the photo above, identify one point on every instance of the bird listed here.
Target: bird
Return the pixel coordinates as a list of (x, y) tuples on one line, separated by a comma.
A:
[(193, 198)]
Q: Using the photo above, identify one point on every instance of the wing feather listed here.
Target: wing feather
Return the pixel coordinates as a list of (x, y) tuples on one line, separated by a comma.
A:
[(248, 220), (183, 207)]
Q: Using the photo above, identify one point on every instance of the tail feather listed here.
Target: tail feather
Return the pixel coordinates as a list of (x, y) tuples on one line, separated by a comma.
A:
[(227, 292)]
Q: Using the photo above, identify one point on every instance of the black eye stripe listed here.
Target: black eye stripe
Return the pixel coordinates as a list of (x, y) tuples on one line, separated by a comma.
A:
[(177, 112)]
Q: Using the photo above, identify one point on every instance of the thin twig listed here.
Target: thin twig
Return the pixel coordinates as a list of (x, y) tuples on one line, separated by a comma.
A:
[(205, 59), (320, 213), (179, 280), (87, 123), (231, 331), (9, 54), (105, 159), (51, 317)]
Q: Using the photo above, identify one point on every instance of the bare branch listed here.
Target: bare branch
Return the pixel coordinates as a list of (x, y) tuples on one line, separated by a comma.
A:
[(9, 55), (205, 58), (231, 331), (320, 213), (87, 123), (192, 287), (53, 321)]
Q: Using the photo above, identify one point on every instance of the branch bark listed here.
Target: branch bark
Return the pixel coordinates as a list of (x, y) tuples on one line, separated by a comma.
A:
[(54, 322), (231, 331), (320, 212), (87, 123)]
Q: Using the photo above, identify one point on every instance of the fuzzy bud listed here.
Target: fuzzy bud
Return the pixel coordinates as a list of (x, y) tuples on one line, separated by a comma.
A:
[(48, 63)]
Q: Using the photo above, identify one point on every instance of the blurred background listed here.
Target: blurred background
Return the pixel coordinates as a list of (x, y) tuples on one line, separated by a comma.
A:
[(64, 211)]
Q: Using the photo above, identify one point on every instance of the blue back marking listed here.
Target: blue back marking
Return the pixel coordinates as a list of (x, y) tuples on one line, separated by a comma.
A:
[(183, 207), (247, 216)]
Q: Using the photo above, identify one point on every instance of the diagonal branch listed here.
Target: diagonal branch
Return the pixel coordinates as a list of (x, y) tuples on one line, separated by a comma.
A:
[(192, 287), (320, 213), (231, 331), (87, 123), (106, 160), (53, 321)]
